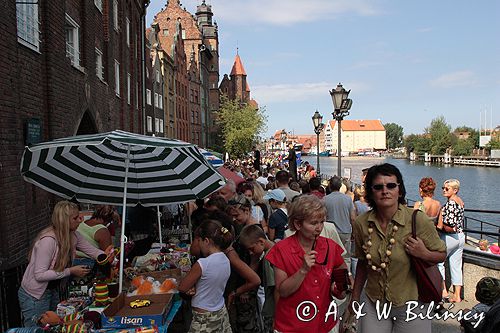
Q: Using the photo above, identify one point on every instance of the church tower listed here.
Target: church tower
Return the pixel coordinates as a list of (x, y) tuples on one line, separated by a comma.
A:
[(239, 80)]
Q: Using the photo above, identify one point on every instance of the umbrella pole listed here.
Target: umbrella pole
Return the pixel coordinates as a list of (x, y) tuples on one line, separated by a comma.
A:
[(159, 225), (189, 226), (122, 243)]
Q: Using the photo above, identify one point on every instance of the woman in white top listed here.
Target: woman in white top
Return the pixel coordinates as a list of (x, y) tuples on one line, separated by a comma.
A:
[(207, 279)]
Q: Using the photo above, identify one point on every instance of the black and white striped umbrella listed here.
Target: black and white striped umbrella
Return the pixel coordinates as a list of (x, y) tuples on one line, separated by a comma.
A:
[(121, 168), (101, 168)]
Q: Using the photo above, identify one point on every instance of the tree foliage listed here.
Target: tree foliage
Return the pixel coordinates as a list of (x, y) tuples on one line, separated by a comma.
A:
[(464, 146), (394, 135), (440, 135), (240, 125), (419, 144), (494, 144)]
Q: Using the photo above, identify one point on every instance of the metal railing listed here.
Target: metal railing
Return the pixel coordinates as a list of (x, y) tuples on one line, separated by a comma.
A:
[(485, 229)]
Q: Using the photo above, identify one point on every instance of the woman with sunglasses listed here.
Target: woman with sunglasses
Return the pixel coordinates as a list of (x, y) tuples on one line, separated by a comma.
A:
[(450, 225), (305, 268), (383, 247)]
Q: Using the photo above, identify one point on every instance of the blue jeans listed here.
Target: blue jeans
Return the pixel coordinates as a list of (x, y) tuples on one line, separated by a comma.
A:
[(454, 249), (32, 308)]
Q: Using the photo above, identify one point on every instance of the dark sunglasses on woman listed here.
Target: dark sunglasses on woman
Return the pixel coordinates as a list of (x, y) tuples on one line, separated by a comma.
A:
[(390, 186)]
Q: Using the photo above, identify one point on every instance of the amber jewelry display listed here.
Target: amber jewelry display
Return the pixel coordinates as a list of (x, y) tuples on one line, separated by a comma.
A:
[(384, 262)]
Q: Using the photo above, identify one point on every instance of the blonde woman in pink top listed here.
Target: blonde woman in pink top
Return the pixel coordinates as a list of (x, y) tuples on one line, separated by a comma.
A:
[(50, 262)]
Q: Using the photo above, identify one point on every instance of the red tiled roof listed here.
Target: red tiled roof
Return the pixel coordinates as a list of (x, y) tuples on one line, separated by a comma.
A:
[(238, 67), (360, 125)]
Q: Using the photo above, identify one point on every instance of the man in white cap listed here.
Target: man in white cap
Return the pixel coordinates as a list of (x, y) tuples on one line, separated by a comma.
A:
[(278, 221)]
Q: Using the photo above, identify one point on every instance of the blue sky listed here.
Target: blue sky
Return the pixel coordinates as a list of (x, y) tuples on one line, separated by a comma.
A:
[(406, 62)]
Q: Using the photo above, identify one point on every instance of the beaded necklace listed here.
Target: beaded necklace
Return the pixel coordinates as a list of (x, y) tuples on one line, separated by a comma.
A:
[(384, 262)]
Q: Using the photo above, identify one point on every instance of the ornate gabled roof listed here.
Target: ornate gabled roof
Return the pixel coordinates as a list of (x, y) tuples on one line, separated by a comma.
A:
[(238, 67)]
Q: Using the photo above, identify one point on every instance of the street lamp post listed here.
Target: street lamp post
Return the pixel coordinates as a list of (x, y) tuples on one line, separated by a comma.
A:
[(341, 107), (318, 126)]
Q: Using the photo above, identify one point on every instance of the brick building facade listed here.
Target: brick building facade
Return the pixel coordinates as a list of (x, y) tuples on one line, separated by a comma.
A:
[(235, 86), (68, 67), (200, 39)]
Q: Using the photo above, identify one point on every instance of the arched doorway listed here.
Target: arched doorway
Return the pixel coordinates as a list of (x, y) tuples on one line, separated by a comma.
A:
[(87, 125)]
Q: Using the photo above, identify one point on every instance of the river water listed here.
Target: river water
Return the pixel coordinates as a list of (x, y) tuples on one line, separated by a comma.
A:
[(479, 186)]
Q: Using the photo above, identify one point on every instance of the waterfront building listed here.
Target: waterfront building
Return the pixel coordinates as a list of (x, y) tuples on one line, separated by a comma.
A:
[(356, 136), (201, 48), (155, 113), (68, 67), (181, 85), (195, 88)]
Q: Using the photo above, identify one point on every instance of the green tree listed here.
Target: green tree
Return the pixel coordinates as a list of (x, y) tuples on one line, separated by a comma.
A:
[(394, 135), (240, 125), (464, 147), (418, 144), (440, 135), (493, 144)]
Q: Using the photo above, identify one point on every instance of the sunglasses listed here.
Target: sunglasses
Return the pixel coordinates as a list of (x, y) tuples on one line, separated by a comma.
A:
[(390, 186), (446, 188)]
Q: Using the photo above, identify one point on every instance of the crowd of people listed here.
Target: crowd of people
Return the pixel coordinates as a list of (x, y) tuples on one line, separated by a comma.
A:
[(273, 250)]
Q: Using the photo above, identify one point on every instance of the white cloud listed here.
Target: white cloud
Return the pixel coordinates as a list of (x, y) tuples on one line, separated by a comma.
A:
[(425, 29), (279, 12), (289, 92), (455, 79), (285, 93)]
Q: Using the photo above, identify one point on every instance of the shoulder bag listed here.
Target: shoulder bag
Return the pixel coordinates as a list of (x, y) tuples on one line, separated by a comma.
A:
[(429, 279)]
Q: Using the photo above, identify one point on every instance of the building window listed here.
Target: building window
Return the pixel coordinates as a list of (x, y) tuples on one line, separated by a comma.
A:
[(157, 125), (147, 73), (117, 78), (72, 41), (158, 76), (161, 126), (156, 100), (115, 14), (128, 32), (150, 123), (99, 69), (183, 33), (98, 4), (165, 32), (27, 25), (160, 102), (148, 96), (129, 79)]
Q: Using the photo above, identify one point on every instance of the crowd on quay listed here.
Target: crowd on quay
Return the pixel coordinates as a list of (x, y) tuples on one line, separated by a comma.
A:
[(282, 250)]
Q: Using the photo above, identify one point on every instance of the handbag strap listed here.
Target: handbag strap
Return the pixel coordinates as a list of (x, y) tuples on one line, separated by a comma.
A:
[(414, 224)]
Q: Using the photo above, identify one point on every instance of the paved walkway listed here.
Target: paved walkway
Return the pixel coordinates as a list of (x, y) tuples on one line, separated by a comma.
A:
[(451, 325)]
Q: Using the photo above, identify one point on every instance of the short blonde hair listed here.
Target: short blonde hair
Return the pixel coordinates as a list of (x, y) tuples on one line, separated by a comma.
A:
[(303, 208), (454, 183)]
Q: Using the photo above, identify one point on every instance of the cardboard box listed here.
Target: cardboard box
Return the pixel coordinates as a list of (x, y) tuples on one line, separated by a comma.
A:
[(119, 314)]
